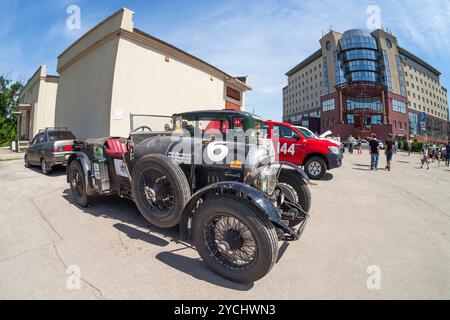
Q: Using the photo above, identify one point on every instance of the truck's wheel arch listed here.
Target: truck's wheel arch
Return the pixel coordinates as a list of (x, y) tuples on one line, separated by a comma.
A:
[(236, 188), (309, 156), (86, 164)]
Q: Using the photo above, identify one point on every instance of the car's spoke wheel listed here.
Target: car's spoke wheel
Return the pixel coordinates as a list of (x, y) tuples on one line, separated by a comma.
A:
[(295, 189), (230, 241), (160, 190), (234, 238), (315, 168), (77, 184)]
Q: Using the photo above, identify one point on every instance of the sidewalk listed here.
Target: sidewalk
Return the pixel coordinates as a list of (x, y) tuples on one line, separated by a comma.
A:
[(7, 154)]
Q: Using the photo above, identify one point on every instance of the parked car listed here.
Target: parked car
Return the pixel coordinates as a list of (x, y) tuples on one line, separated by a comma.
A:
[(303, 148), (50, 147), (234, 212), (364, 144), (381, 144)]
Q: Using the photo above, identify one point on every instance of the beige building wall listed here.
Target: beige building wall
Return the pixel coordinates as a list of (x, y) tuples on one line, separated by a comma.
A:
[(147, 81), (328, 52), (84, 93), (115, 70), (40, 93), (305, 87), (425, 93), (392, 54)]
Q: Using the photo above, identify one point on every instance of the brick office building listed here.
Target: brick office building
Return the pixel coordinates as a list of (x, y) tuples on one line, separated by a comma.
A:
[(360, 83)]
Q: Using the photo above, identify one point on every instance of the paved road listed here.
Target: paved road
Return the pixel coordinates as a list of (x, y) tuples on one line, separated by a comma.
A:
[(397, 221)]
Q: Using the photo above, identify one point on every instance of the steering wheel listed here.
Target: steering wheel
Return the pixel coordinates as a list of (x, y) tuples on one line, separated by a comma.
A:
[(142, 128)]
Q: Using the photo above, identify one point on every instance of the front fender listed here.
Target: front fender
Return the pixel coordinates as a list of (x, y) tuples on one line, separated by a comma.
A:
[(256, 196), (301, 173), (86, 165)]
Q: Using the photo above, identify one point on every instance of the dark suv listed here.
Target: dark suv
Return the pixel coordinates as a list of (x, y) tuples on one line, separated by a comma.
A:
[(50, 147)]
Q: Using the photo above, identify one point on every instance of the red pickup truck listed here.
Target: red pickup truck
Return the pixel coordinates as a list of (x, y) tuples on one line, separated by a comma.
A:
[(301, 147)]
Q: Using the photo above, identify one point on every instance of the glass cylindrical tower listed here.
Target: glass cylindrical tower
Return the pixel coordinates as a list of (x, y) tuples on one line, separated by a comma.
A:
[(359, 54)]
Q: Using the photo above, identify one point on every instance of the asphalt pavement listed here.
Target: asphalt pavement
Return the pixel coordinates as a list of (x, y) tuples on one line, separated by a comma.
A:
[(372, 235)]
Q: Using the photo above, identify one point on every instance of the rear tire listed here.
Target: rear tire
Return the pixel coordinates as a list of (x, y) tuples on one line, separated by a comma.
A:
[(228, 229), (160, 190), (45, 168), (27, 163), (301, 194), (315, 168), (78, 184)]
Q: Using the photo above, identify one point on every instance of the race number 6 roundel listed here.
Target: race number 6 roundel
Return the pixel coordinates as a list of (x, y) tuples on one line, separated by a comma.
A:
[(217, 152)]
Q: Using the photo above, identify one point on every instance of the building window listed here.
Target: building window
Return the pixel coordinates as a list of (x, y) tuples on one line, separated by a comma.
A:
[(387, 71), (373, 104), (388, 43), (326, 86), (400, 75), (413, 123), (338, 69), (398, 106), (328, 105), (234, 94), (375, 119), (395, 124), (350, 119)]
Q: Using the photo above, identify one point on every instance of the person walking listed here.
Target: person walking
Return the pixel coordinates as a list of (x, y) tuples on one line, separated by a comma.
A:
[(439, 156), (447, 154), (389, 151), (409, 147), (433, 152), (351, 143), (358, 145), (374, 147), (426, 156)]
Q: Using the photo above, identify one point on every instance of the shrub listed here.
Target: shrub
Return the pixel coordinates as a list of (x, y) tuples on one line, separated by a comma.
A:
[(416, 146)]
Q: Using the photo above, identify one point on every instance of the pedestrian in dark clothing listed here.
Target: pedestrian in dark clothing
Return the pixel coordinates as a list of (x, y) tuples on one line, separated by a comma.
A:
[(374, 147), (389, 151)]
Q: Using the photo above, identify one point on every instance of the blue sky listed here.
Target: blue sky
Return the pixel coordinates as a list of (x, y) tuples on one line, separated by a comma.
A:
[(261, 39)]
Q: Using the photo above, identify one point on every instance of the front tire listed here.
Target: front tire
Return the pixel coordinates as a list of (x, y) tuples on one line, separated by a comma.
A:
[(78, 184), (315, 168), (160, 190), (296, 190), (235, 239)]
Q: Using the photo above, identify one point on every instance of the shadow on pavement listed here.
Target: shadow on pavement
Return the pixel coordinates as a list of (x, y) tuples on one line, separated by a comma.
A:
[(327, 177), (362, 165), (282, 250), (361, 169), (197, 269), (57, 171), (136, 234), (131, 221)]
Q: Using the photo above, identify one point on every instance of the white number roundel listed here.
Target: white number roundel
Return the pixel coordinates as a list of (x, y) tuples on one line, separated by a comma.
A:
[(217, 152)]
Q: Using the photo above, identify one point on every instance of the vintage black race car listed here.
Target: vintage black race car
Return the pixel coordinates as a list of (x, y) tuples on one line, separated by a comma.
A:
[(210, 172)]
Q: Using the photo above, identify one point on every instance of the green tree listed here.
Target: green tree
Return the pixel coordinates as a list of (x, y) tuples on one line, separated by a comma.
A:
[(9, 97)]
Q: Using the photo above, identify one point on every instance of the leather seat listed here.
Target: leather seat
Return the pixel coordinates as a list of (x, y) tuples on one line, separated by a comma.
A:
[(115, 148)]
